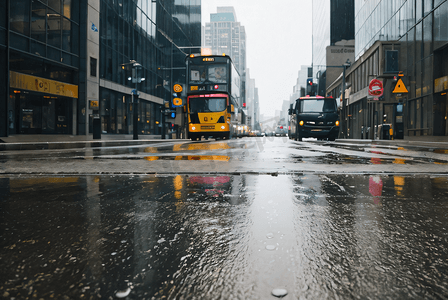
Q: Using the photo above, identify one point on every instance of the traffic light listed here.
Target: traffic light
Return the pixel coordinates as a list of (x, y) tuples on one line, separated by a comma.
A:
[(309, 86), (177, 100)]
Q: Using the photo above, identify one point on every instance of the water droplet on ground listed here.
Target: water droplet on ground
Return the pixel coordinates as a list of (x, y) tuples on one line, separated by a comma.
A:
[(123, 294), (270, 247), (270, 235), (280, 293)]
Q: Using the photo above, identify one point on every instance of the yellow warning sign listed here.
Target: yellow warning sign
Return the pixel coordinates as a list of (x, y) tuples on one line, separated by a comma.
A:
[(400, 88)]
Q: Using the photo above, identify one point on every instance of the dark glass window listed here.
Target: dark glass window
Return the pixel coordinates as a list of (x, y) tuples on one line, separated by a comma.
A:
[(418, 41), (3, 6), (20, 16), (441, 25), (66, 35), (38, 48), (427, 6), (418, 10), (19, 42), (54, 29), (55, 4), (93, 64), (427, 36), (38, 21), (74, 38)]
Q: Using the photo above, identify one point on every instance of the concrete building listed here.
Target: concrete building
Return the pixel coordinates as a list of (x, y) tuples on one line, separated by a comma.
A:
[(252, 103), (62, 63), (299, 90), (224, 34), (333, 25), (391, 37)]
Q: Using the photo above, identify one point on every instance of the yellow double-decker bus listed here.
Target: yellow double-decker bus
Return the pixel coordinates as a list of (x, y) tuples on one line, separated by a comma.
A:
[(213, 93)]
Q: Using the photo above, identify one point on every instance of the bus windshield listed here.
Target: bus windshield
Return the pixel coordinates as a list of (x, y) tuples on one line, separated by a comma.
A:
[(199, 105), (318, 105), (211, 73)]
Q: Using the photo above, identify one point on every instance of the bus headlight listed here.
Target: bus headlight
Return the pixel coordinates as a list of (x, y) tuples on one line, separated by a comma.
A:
[(337, 123), (193, 128), (301, 123), (223, 127)]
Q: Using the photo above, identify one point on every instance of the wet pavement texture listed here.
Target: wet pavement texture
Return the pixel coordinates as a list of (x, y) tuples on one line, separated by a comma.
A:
[(296, 236), (266, 155)]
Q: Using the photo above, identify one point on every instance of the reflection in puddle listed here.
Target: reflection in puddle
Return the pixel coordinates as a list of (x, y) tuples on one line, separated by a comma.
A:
[(189, 157), (441, 151), (164, 237), (189, 147)]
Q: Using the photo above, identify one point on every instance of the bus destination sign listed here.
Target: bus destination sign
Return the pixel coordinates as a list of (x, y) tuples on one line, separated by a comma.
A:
[(208, 59)]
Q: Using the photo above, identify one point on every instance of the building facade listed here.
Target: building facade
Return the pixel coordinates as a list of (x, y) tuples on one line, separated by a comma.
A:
[(410, 37), (252, 103), (65, 63), (333, 23), (224, 34)]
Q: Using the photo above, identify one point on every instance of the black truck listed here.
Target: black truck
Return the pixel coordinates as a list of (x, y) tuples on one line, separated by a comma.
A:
[(314, 116)]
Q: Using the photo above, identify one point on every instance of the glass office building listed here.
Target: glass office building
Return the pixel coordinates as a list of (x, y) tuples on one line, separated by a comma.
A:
[(421, 29), (61, 62), (154, 34), (40, 66)]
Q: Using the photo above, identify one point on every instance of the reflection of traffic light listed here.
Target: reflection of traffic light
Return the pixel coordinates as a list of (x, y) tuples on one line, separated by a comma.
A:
[(309, 86)]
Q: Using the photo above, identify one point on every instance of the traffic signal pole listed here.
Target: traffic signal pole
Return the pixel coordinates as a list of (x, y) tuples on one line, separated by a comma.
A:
[(135, 110)]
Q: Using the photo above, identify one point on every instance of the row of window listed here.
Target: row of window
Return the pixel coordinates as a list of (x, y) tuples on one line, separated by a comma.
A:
[(117, 114), (47, 23), (389, 20)]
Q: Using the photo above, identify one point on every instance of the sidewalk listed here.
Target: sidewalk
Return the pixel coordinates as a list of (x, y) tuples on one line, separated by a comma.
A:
[(55, 141), (423, 142)]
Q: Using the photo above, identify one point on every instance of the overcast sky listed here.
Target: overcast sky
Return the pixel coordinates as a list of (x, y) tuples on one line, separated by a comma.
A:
[(279, 35)]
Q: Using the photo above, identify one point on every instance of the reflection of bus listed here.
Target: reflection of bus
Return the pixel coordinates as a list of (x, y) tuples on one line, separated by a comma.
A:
[(314, 116), (213, 93)]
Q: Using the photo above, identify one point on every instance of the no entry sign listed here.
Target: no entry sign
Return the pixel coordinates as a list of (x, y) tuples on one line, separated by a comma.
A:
[(376, 88)]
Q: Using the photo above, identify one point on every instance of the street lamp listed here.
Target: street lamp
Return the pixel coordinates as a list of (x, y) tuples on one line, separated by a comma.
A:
[(136, 78)]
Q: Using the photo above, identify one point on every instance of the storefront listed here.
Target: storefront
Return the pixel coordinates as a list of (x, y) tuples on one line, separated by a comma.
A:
[(117, 114), (38, 105)]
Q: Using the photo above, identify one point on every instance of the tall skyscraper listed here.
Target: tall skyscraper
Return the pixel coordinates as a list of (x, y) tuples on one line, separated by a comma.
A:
[(224, 34)]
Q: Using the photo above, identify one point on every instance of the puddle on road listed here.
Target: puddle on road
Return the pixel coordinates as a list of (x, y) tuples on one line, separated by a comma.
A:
[(340, 159), (166, 236), (189, 157)]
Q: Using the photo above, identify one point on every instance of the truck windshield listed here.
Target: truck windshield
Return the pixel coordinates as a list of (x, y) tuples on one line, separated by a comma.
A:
[(318, 105)]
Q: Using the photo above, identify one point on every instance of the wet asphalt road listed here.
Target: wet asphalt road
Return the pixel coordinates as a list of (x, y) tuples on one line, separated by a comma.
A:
[(371, 230)]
